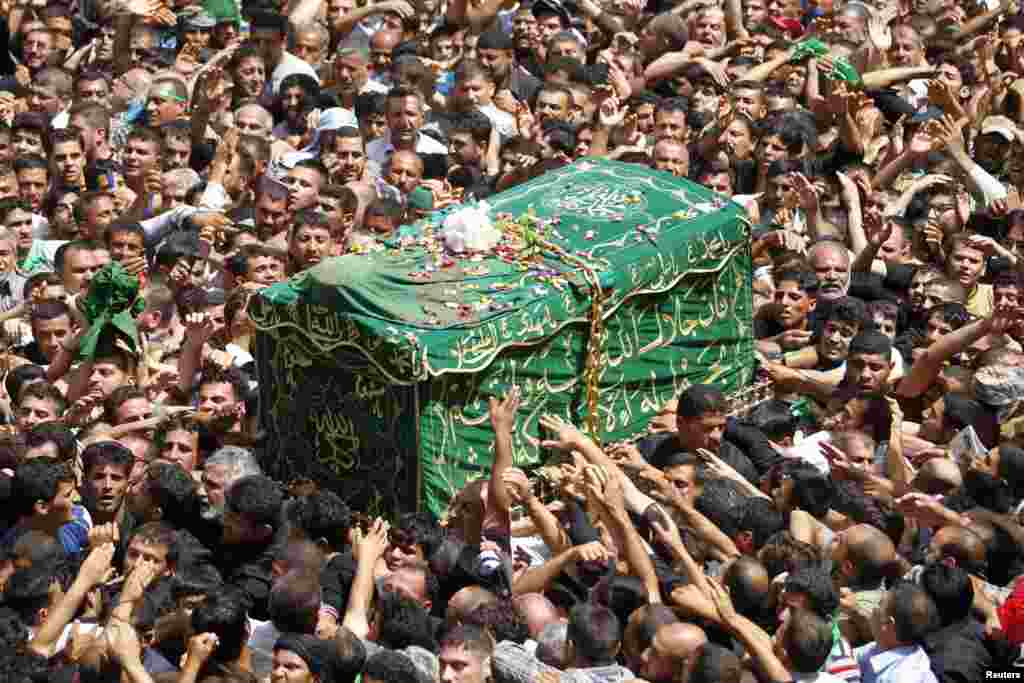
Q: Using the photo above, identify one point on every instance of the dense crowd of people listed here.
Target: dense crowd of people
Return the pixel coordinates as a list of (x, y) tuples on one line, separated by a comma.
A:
[(161, 163)]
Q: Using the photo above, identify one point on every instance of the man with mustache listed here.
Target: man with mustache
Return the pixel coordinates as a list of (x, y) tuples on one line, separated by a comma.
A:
[(404, 113)]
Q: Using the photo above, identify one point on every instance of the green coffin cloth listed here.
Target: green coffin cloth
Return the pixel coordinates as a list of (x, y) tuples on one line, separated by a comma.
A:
[(672, 259)]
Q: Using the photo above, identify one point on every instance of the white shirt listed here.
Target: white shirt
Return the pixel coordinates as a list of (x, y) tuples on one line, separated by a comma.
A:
[(262, 637), (379, 151)]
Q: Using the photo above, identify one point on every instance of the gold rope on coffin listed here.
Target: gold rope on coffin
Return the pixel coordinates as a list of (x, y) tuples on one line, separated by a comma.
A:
[(595, 343)]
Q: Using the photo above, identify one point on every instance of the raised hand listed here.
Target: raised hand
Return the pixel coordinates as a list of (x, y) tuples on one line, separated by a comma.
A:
[(518, 484), (138, 581), (96, 567), (590, 552), (719, 596), (399, 7), (879, 237), (611, 112), (372, 545), (80, 410), (878, 29), (791, 340), (565, 436), (627, 455), (807, 192), (201, 646), (101, 534), (667, 534), (199, 328)]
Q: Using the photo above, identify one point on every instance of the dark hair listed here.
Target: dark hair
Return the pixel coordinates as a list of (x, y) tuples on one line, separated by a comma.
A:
[(503, 619), (470, 637), (49, 309), (19, 377), (28, 591), (913, 612), (37, 480), (45, 392), (196, 578), (762, 519), (294, 603), (388, 666), (214, 374), (595, 633), (952, 313), (722, 502), (871, 342), (783, 553), (257, 497), (56, 433), (126, 227), (1011, 468), (419, 528), (369, 104), (951, 589), (223, 614), (809, 640), (62, 254), (805, 280), (174, 492), (107, 453), (159, 533), (849, 309), (404, 622), (475, 123), (388, 208), (700, 399), (323, 515), (119, 396), (815, 582), (716, 664)]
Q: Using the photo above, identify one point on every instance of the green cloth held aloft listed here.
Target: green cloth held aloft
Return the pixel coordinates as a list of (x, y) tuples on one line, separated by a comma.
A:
[(222, 10), (814, 48), (112, 303)]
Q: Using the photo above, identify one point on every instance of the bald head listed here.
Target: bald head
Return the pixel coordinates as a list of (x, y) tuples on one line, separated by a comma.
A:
[(871, 552), (938, 476), (961, 544), (252, 119), (640, 629), (680, 640), (466, 600), (538, 611), (385, 40)]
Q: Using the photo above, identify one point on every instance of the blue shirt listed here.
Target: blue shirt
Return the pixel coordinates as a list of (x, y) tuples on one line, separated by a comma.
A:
[(907, 664), (73, 536)]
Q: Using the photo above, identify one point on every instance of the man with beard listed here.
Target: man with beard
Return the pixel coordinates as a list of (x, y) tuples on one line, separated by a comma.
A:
[(269, 32), (249, 73), (107, 466), (345, 151), (404, 115), (352, 76), (474, 91), (496, 51), (91, 121), (831, 263)]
